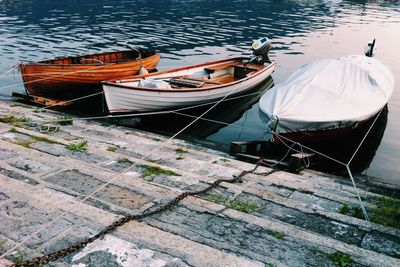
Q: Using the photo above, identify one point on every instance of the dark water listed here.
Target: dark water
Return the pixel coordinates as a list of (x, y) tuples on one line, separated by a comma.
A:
[(192, 31)]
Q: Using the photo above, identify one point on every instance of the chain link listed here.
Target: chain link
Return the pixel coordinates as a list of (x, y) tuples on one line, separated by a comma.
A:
[(73, 248)]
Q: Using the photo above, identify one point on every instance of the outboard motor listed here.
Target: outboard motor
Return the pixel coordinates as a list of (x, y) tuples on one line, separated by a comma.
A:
[(369, 49), (260, 49)]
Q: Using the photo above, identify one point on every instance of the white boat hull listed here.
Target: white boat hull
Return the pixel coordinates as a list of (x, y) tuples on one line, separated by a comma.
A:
[(120, 99)]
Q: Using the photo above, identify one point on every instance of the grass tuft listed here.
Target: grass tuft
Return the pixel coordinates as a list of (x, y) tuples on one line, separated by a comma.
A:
[(14, 120), (43, 139), (124, 161), (19, 256), (243, 206), (65, 120), (219, 199), (345, 209), (180, 151), (340, 259), (26, 144), (386, 212), (278, 235), (80, 147), (150, 170), (112, 148), (355, 212), (12, 130), (240, 205)]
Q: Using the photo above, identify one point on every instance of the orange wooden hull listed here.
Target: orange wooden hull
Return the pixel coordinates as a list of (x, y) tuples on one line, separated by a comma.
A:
[(73, 77)]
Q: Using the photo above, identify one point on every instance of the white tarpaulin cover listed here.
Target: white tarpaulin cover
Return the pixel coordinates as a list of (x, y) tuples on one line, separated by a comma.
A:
[(328, 94), (150, 83)]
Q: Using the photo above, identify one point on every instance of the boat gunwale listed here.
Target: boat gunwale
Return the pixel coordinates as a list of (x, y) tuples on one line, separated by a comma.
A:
[(40, 63), (127, 87)]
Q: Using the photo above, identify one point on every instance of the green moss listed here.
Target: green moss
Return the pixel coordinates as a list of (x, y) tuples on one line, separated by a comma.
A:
[(80, 147), (268, 264), (12, 130), (219, 199), (19, 256), (278, 235), (65, 120), (224, 159), (244, 206), (345, 209), (180, 151), (355, 212), (150, 170), (179, 158), (14, 120), (20, 105), (43, 139), (386, 212), (156, 139), (240, 205), (124, 161), (340, 259), (112, 148), (3, 246), (26, 144)]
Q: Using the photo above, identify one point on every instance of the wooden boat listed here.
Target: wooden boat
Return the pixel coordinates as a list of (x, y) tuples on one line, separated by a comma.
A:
[(327, 99), (185, 86), (73, 77)]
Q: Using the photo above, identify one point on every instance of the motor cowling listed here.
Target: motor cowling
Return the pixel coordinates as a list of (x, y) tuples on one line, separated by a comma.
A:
[(370, 49), (260, 49)]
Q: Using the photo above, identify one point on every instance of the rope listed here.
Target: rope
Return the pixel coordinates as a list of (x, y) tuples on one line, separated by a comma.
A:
[(278, 162), (68, 101), (89, 71), (8, 71), (365, 136), (19, 244), (51, 77), (280, 137), (157, 112), (358, 194)]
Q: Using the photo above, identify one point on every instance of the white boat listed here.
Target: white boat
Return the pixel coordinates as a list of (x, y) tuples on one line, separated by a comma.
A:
[(327, 98), (190, 85)]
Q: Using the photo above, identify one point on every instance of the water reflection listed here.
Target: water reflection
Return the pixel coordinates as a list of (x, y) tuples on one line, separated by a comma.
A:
[(344, 149), (225, 113)]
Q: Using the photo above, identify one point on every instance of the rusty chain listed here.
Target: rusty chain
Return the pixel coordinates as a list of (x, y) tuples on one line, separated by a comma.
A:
[(38, 261)]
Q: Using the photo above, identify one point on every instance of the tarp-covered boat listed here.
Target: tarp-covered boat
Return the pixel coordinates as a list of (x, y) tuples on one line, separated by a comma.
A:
[(72, 77), (327, 97)]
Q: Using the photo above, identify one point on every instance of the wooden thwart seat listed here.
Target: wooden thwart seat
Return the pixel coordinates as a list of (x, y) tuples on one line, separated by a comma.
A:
[(184, 82)]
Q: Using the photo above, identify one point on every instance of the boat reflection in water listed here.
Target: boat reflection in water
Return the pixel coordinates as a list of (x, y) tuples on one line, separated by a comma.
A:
[(226, 112), (343, 148)]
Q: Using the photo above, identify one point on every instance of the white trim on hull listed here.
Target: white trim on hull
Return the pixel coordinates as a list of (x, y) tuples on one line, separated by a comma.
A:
[(129, 99)]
